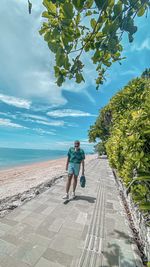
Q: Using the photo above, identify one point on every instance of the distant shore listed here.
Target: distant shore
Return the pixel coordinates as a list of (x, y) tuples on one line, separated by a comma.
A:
[(17, 157), (19, 179)]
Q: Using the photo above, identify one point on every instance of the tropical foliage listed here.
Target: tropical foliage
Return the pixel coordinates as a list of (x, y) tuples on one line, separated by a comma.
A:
[(100, 148), (73, 28), (124, 127)]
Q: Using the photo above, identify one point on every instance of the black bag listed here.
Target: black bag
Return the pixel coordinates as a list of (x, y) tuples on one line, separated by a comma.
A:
[(82, 181)]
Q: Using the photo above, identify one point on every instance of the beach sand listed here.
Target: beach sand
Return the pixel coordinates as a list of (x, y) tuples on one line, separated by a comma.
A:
[(19, 179)]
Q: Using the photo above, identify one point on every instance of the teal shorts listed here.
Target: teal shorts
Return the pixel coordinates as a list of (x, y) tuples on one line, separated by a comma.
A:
[(74, 168)]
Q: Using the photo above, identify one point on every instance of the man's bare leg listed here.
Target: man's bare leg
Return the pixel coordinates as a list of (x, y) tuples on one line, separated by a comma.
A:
[(74, 182), (68, 184)]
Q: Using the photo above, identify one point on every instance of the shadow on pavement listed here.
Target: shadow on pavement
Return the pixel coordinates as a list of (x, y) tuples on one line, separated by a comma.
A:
[(128, 239), (114, 257), (86, 198)]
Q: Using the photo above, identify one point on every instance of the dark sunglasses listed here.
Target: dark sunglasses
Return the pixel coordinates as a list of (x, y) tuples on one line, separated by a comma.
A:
[(76, 145)]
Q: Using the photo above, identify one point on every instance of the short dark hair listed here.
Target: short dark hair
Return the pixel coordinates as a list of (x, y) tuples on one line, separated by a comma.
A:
[(77, 141)]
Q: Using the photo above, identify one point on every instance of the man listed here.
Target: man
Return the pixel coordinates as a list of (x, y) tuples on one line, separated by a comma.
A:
[(75, 159)]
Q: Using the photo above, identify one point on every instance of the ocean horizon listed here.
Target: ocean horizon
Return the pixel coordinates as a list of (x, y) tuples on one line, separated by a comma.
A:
[(13, 157)]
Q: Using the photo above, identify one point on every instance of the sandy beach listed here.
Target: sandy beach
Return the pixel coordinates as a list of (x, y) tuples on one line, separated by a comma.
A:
[(19, 179)]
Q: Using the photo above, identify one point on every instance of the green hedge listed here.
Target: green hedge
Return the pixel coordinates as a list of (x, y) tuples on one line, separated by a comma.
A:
[(124, 128)]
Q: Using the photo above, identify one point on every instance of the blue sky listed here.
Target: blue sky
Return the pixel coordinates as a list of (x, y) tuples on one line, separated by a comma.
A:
[(34, 112)]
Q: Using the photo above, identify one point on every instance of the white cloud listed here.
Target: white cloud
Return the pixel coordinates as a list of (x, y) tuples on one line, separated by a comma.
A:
[(38, 107), (8, 114), (72, 124), (30, 68), (26, 68), (49, 123), (144, 45), (41, 85), (32, 118), (8, 123), (14, 101), (68, 113), (55, 123), (43, 132), (36, 117)]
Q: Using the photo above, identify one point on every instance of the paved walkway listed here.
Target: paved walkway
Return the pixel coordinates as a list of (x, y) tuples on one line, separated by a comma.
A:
[(90, 231)]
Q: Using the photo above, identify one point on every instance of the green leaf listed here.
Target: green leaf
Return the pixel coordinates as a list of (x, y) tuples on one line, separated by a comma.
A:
[(60, 80), (47, 36), (133, 29), (60, 57), (100, 3), (142, 178), (89, 13), (118, 8), (45, 15), (111, 3), (79, 78), (57, 71), (77, 19), (146, 132), (53, 46), (93, 23), (68, 10), (42, 30), (141, 12), (107, 63), (66, 63), (89, 3), (106, 28), (130, 38), (145, 206), (78, 4), (50, 6), (127, 24)]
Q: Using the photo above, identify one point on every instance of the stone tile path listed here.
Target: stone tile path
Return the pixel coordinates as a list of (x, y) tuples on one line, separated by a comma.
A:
[(90, 231)]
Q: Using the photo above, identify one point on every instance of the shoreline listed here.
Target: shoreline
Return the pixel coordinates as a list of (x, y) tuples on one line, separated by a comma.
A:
[(21, 178), (21, 184), (22, 165)]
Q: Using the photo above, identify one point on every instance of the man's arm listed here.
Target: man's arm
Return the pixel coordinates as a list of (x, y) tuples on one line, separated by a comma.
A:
[(68, 158), (67, 163), (82, 162)]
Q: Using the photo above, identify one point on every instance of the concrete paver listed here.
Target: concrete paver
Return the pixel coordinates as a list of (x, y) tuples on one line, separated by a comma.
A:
[(90, 231)]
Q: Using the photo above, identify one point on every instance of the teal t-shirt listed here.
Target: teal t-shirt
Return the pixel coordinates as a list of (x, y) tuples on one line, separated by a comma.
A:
[(76, 156)]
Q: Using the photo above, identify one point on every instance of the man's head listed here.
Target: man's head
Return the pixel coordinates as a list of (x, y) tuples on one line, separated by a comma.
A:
[(77, 144)]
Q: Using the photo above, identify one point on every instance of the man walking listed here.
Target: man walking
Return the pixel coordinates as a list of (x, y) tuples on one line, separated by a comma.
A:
[(75, 159)]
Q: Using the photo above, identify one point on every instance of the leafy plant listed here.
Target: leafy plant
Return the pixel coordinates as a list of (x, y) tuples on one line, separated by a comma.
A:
[(73, 28), (124, 126), (100, 148)]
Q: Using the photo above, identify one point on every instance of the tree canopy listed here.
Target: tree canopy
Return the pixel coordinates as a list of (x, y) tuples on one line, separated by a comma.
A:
[(123, 126), (73, 28)]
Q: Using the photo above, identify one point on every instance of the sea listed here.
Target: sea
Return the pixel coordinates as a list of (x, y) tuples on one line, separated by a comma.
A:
[(12, 157)]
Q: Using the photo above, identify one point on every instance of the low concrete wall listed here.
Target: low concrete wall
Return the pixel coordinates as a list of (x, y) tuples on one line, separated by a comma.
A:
[(139, 222)]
